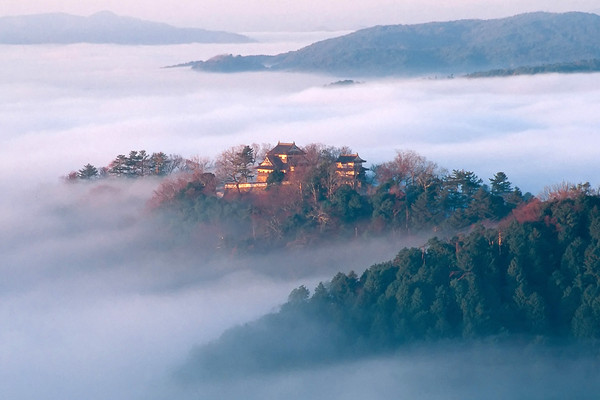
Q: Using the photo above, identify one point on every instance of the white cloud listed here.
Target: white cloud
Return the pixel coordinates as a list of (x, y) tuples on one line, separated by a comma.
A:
[(540, 130)]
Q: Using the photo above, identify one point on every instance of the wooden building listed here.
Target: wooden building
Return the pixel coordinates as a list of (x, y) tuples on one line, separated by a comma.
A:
[(285, 157), (349, 167)]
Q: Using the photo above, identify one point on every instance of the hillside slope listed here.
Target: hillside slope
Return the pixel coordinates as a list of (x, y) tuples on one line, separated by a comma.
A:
[(532, 279), (454, 47), (102, 27)]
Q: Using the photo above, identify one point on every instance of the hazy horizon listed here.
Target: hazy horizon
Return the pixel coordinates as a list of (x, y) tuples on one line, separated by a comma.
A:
[(270, 15)]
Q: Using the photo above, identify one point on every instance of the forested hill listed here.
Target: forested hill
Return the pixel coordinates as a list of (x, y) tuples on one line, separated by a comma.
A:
[(103, 27), (536, 278), (406, 196), (454, 47)]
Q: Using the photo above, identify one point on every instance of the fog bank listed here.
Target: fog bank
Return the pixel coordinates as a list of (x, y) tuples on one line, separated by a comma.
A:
[(434, 372), (100, 300), (64, 106)]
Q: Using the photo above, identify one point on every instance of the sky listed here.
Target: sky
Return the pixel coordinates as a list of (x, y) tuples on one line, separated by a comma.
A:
[(283, 15)]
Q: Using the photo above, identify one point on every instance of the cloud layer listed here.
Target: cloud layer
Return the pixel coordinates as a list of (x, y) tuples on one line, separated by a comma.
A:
[(64, 106), (434, 372), (98, 300)]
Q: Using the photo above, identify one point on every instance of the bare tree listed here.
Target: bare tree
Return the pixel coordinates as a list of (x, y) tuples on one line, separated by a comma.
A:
[(566, 190), (174, 164), (407, 168), (234, 165), (197, 164), (261, 150)]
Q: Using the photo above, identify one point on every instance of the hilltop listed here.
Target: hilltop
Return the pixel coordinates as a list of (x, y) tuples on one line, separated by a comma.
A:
[(103, 27), (454, 47)]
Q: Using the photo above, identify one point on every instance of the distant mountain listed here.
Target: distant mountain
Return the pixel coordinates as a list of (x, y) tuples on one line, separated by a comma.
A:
[(454, 47), (103, 27)]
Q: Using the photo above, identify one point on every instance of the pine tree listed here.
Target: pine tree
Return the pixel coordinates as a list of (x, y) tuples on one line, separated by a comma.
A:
[(87, 172), (500, 184)]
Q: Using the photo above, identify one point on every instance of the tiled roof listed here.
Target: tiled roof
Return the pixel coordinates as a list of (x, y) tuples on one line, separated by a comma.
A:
[(272, 162), (348, 158), (287, 149)]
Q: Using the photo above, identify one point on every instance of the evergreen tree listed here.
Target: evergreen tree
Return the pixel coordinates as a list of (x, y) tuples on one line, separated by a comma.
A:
[(158, 164), (500, 184), (87, 172), (119, 166)]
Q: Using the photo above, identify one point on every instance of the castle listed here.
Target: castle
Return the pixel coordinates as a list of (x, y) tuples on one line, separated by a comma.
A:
[(285, 157), (288, 159)]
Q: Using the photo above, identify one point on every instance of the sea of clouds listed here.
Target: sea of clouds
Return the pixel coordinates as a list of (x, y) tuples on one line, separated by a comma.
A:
[(98, 299), (64, 106)]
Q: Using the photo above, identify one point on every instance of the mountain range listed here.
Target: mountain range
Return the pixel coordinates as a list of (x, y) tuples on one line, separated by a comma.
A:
[(103, 27), (454, 47)]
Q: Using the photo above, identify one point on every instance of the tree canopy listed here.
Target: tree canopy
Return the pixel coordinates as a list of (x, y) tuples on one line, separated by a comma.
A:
[(408, 195), (533, 281)]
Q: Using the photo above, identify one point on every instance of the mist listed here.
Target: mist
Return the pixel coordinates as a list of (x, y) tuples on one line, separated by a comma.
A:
[(89, 103), (443, 371), (99, 299)]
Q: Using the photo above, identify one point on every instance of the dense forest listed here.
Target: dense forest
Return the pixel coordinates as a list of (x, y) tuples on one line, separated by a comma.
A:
[(405, 196), (535, 278)]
